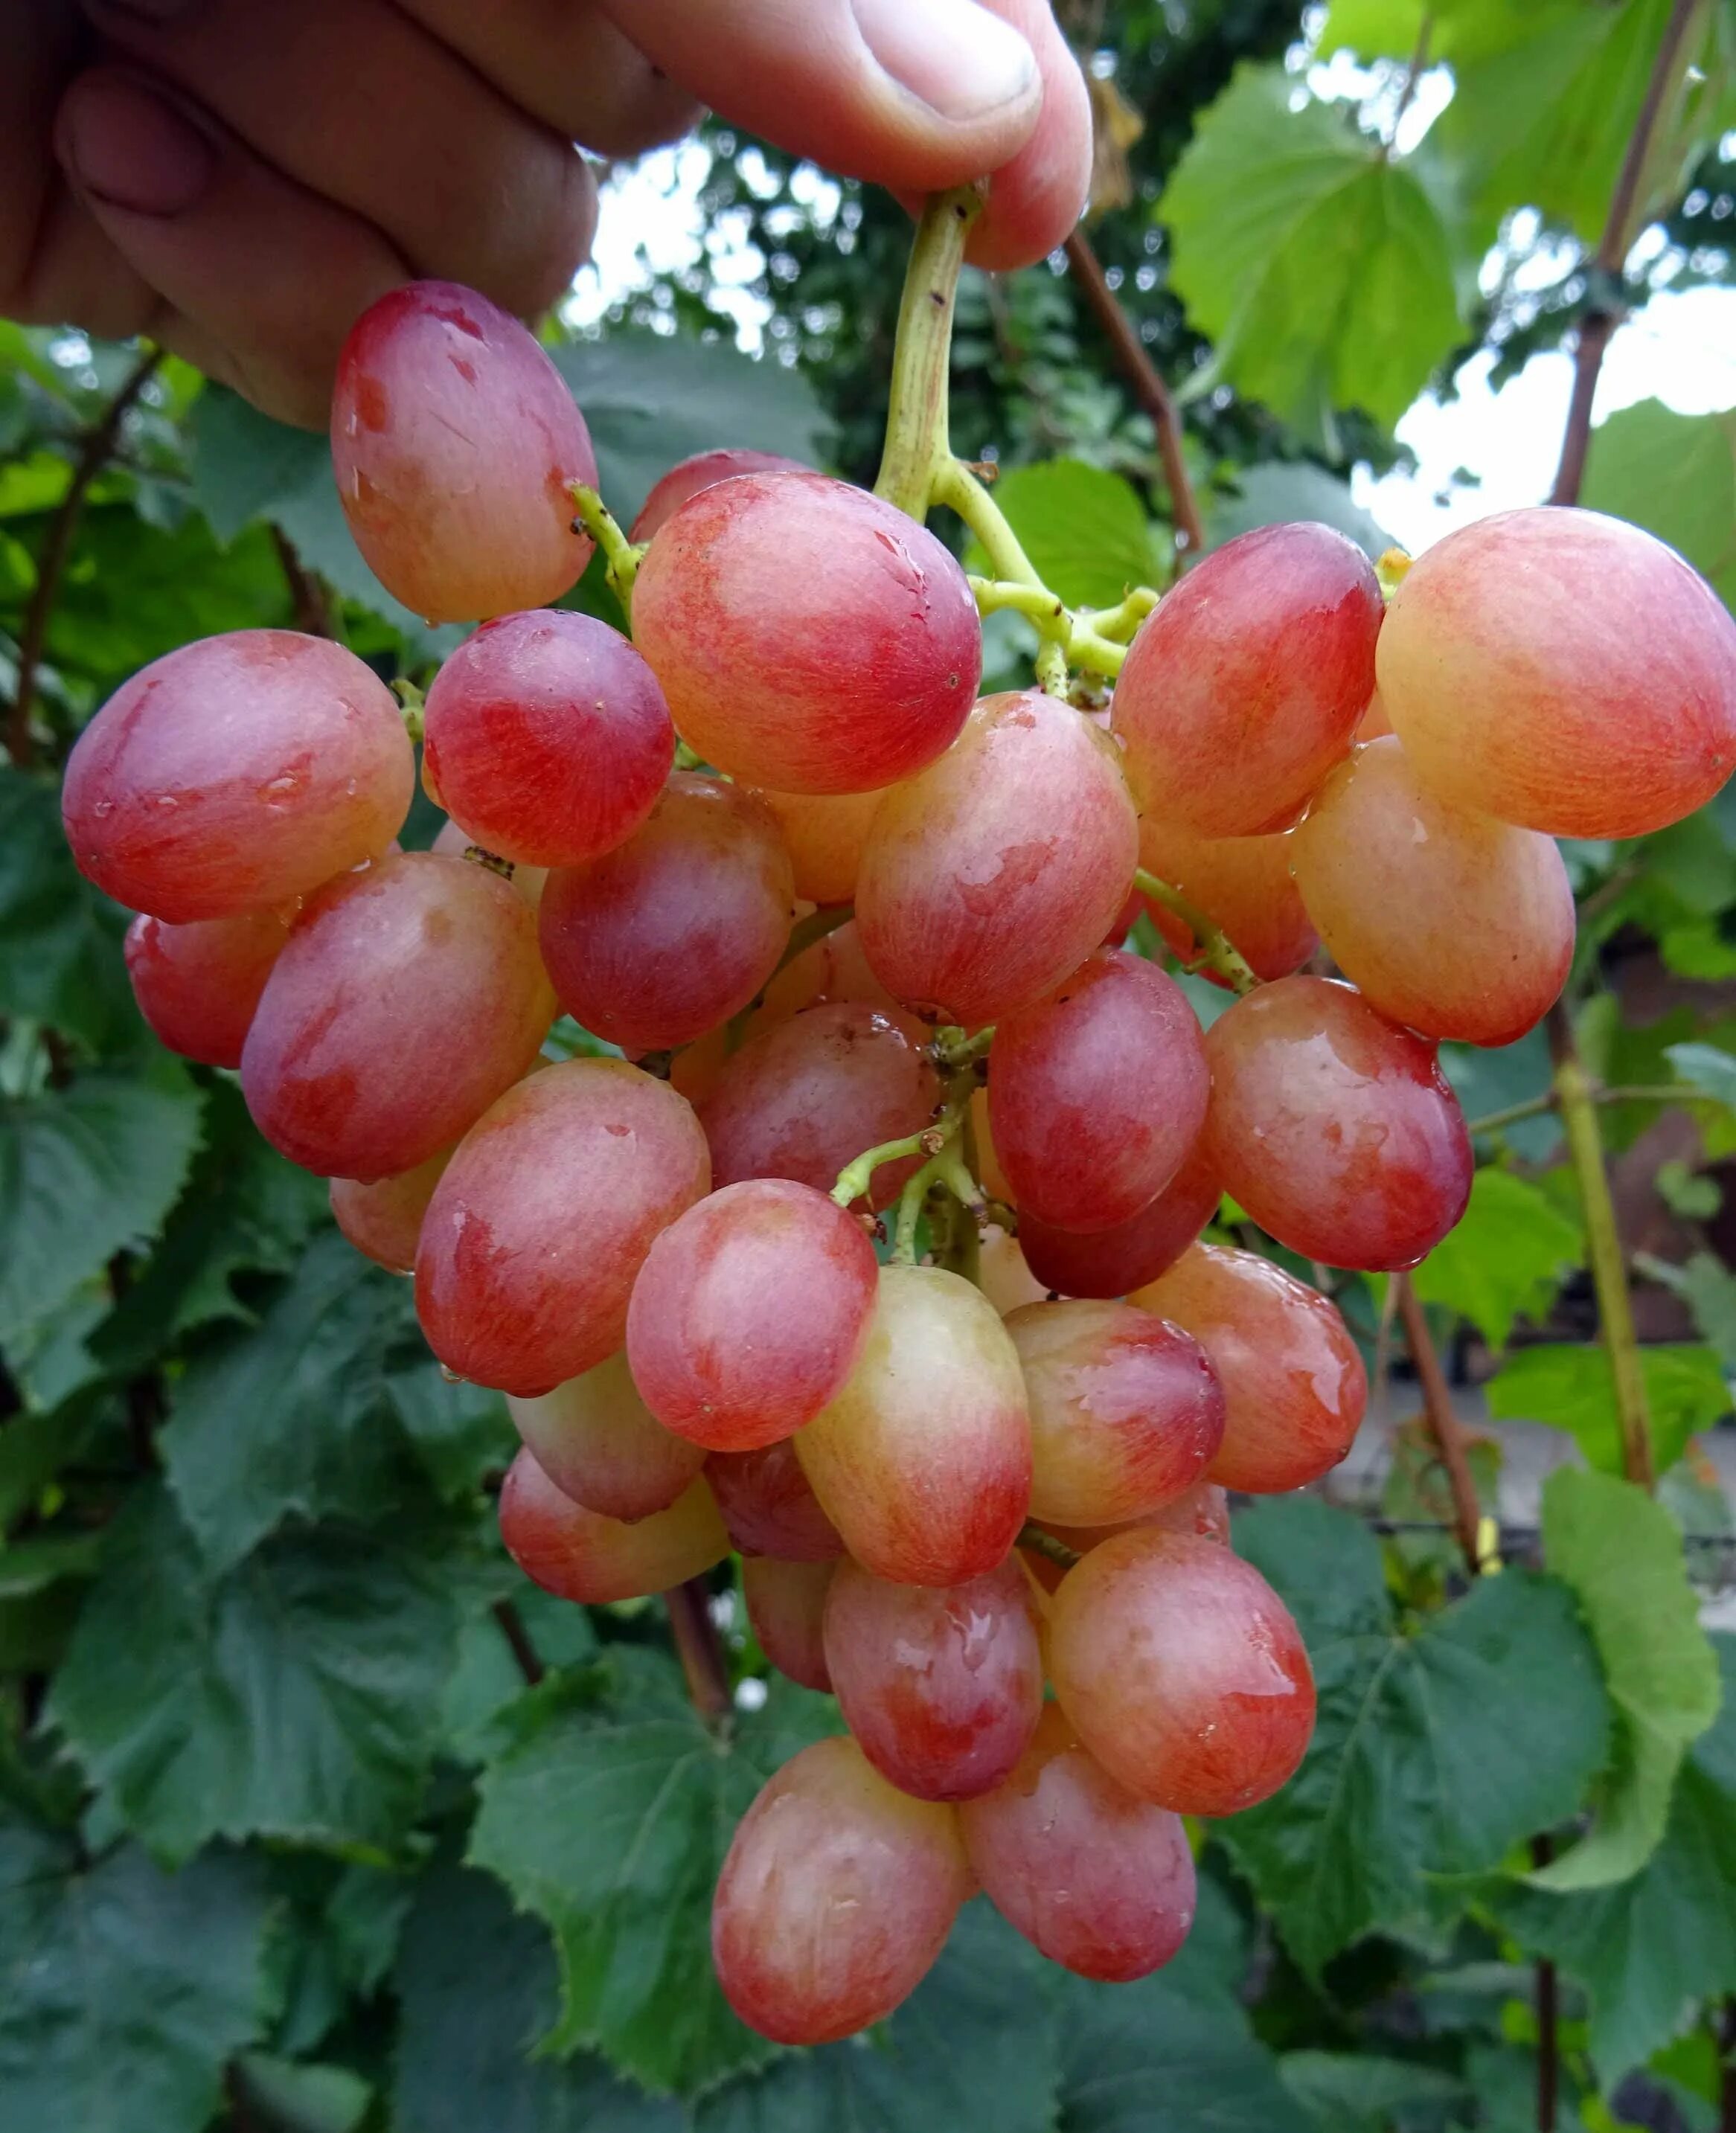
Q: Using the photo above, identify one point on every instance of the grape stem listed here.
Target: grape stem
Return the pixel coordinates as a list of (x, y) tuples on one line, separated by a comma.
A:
[(1446, 1430), (1079, 643), (410, 703), (1045, 1544), (854, 1179), (1213, 949), (620, 558), (1534, 1107)]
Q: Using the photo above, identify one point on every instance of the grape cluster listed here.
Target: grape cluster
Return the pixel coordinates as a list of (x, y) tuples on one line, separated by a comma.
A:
[(959, 1473)]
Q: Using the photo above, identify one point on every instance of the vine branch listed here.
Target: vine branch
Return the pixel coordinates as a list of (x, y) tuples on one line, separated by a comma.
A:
[(524, 1653), (699, 1649), (1444, 1426)]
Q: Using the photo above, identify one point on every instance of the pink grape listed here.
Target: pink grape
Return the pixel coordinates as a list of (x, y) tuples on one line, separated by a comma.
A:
[(1245, 685), (769, 1507), (1182, 1671), (825, 834), (198, 986), (923, 1462), (676, 929), (703, 470), (716, 1350), (580, 1555), (1335, 1130), (1109, 1262), (456, 447), (1126, 1411), (1454, 924), (1100, 1880), (1242, 885), (807, 1096), (786, 1610), (599, 1443), (238, 773), (536, 1233), (808, 637), (1202, 1512), (1375, 722), (547, 738), (991, 876), (1097, 1093), (1562, 670), (1294, 1387), (529, 881), (384, 1219), (408, 997), (828, 971), (942, 1688), (837, 1893)]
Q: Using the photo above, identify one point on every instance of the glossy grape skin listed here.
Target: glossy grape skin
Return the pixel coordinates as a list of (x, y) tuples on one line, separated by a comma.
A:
[(1295, 1386), (1101, 1881), (1202, 1512), (990, 878), (837, 1893), (676, 929), (408, 997), (599, 1443), (536, 1233), (1242, 884), (825, 835), (1110, 1263), (1453, 923), (529, 881), (769, 1507), (384, 1219), (1335, 1130), (579, 1554), (807, 1096), (547, 738), (198, 986), (1097, 1093), (1562, 670), (1182, 1671), (808, 637), (828, 971), (1126, 1412), (786, 1610), (455, 447), (1002, 1274), (238, 772), (1244, 686), (720, 1348), (703, 470), (1375, 723), (924, 1462)]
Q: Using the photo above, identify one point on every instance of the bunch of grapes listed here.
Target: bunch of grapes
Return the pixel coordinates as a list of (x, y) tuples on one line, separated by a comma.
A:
[(987, 1460)]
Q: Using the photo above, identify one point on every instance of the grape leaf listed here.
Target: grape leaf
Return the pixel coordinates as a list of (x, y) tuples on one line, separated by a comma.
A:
[(459, 1432), (304, 2099), (1570, 1387), (1084, 528), (1622, 1554), (1360, 2092), (1674, 475), (126, 1988), (1415, 1767), (59, 940), (296, 1697), (1506, 1258)]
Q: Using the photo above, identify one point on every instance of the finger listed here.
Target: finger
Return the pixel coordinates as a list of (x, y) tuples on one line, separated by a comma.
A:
[(1035, 199), (260, 279), (353, 100), (912, 94)]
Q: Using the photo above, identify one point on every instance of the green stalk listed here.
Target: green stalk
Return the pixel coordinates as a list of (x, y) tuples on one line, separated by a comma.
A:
[(917, 436)]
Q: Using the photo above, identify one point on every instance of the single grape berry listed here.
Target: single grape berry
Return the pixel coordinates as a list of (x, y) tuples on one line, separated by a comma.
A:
[(578, 1554), (704, 470), (599, 1443), (825, 834), (1242, 885), (382, 1218), (1109, 1262), (786, 1611), (198, 986), (769, 1506)]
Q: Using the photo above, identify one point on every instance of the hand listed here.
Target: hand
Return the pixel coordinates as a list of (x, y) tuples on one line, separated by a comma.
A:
[(239, 181)]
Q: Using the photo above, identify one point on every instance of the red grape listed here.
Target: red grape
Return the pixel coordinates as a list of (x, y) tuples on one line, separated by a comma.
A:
[(1294, 1387), (547, 738), (599, 1443), (837, 1893), (808, 636), (922, 1461), (828, 971), (1202, 1512), (1334, 1129), (1452, 922), (199, 985), (942, 1688), (768, 1506), (703, 470), (537, 1232), (717, 1349), (455, 447), (804, 1099), (992, 875), (825, 834), (1126, 1413), (383, 1219), (1182, 1671), (1100, 1881), (578, 1554), (1245, 685), (1097, 1093), (676, 929), (1562, 670), (786, 1610), (1242, 885), (238, 773), (1107, 1263), (408, 997)]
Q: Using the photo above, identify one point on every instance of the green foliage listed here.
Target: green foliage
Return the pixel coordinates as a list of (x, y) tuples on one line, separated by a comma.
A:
[(1571, 1387), (1506, 1259), (1085, 530), (1676, 475)]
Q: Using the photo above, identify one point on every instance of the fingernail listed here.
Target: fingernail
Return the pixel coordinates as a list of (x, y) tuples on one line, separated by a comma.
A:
[(962, 61), (124, 144)]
